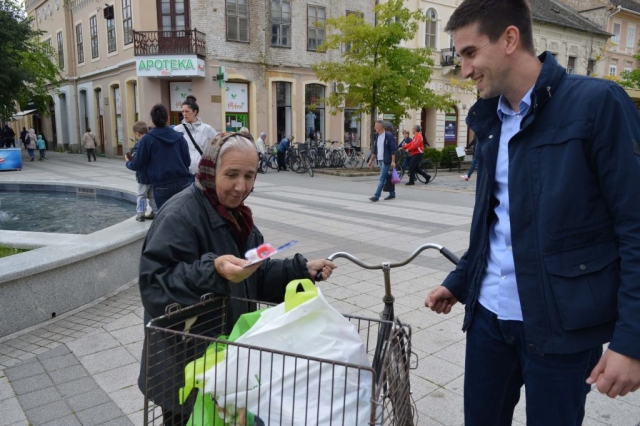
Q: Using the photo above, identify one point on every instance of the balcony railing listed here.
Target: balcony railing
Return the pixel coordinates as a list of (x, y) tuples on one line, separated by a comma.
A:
[(180, 42), (449, 57)]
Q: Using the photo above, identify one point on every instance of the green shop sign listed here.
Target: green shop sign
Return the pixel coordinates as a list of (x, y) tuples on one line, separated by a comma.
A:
[(170, 66)]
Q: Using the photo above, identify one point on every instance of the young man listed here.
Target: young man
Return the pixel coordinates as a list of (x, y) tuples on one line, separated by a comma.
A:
[(553, 267), (384, 151)]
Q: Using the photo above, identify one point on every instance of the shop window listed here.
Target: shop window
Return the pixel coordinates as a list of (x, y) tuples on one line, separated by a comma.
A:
[(280, 23), (79, 43), (352, 120), (93, 29), (451, 127), (118, 114), (315, 26), (314, 118), (283, 109), (237, 20), (236, 97)]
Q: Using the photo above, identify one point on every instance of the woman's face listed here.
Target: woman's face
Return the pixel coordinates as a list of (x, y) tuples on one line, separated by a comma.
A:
[(189, 114), (235, 176)]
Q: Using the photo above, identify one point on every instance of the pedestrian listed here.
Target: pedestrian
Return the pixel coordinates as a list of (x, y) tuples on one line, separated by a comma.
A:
[(42, 148), (31, 143), (89, 143), (195, 131), (384, 152), (553, 268), (474, 162), (261, 144), (406, 138), (245, 132), (415, 149), (8, 136), (196, 246), (144, 196), (283, 147), (23, 135), (164, 154)]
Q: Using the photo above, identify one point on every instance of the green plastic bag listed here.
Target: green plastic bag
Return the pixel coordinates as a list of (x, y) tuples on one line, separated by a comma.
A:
[(205, 411)]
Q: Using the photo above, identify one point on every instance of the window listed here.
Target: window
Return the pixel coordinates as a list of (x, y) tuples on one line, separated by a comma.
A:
[(283, 109), (431, 29), (590, 66), (127, 22), (280, 23), (93, 29), (111, 35), (616, 33), (613, 70), (315, 26), (571, 64), (60, 50), (314, 112), (347, 46), (237, 20), (79, 43)]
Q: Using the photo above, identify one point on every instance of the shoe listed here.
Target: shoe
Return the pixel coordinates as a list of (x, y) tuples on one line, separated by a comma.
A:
[(89, 160), (150, 216), (31, 158), (374, 199), (140, 217), (39, 159), (428, 179), (410, 183), (390, 197)]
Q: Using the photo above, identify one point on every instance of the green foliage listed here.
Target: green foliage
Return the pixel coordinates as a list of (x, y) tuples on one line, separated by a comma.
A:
[(378, 74), (433, 154), (27, 70), (445, 160), (8, 251)]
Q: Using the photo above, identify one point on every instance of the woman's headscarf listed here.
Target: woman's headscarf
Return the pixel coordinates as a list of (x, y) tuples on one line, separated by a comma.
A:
[(32, 135), (240, 218)]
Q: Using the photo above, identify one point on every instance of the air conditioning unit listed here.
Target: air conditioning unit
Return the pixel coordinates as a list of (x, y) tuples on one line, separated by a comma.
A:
[(109, 12)]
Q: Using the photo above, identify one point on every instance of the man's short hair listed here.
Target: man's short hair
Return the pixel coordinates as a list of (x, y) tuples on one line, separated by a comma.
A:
[(140, 127), (493, 17)]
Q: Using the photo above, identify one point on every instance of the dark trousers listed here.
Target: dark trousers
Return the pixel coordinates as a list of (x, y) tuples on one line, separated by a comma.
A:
[(91, 152), (281, 161), (414, 167), (42, 153), (162, 192), (498, 364)]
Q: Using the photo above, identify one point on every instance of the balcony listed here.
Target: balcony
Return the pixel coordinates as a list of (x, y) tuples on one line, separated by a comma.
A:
[(180, 42), (449, 57)]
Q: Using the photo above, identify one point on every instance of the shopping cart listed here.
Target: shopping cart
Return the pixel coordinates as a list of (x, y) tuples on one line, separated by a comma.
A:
[(176, 339)]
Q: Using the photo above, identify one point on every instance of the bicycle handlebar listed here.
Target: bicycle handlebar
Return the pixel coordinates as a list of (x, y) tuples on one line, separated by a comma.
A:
[(443, 250)]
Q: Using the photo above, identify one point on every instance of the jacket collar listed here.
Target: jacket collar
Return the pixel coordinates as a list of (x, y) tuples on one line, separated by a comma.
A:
[(482, 115)]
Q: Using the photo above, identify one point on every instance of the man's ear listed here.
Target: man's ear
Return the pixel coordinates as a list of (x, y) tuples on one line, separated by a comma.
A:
[(511, 38)]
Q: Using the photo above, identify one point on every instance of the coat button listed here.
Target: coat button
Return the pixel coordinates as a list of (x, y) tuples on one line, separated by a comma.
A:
[(531, 347), (583, 267)]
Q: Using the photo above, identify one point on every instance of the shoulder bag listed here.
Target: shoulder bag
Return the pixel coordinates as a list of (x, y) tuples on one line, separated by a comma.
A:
[(193, 141)]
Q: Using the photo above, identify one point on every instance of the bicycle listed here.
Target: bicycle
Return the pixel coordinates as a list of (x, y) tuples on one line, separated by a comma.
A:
[(263, 164), (388, 377), (426, 165), (392, 357)]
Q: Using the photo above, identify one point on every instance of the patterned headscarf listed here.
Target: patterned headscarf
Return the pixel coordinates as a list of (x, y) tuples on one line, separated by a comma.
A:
[(240, 218)]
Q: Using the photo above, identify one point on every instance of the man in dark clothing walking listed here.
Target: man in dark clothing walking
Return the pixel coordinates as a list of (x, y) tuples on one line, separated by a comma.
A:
[(23, 135), (8, 136)]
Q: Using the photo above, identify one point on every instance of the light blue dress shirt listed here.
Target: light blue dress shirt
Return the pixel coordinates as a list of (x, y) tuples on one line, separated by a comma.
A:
[(499, 290)]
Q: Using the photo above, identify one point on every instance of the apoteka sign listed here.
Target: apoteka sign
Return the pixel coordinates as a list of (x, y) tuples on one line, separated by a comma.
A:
[(170, 66)]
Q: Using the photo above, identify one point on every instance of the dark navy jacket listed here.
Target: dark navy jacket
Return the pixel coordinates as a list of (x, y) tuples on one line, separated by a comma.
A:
[(390, 147), (574, 170), (164, 154), (141, 175)]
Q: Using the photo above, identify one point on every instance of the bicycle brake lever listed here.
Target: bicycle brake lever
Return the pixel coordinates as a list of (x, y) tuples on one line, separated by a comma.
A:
[(318, 276)]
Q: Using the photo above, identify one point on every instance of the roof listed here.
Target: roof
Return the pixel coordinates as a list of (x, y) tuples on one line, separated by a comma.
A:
[(627, 4), (556, 13)]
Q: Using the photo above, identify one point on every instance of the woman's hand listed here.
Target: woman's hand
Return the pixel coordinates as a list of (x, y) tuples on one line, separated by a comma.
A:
[(232, 268), (321, 265)]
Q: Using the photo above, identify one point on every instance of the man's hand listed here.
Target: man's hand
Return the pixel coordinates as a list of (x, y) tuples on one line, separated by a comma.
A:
[(315, 266), (232, 268), (393, 164), (616, 374), (440, 300), (370, 163)]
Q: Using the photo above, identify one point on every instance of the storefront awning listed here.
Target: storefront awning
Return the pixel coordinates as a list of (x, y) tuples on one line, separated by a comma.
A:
[(20, 114)]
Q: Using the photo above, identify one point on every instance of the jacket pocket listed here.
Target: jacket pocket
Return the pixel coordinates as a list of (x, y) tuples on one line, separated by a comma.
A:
[(584, 282)]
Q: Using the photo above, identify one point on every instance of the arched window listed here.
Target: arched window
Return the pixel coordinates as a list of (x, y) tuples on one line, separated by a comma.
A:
[(431, 29)]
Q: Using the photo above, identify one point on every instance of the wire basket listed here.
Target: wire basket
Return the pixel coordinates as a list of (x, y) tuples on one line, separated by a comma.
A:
[(183, 335)]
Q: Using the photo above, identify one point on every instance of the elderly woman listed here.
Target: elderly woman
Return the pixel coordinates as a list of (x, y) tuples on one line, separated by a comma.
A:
[(196, 246)]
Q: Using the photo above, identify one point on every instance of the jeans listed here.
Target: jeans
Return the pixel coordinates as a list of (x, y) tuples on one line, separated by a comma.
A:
[(498, 364), (384, 170), (91, 152), (162, 192), (145, 193), (32, 153)]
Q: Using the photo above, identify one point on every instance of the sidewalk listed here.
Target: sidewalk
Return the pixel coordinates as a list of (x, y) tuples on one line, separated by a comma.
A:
[(81, 368)]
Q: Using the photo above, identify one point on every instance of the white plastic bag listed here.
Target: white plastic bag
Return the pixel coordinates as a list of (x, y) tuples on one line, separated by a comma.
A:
[(291, 390)]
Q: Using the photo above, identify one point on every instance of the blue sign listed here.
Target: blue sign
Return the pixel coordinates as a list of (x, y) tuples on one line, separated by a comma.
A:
[(10, 159)]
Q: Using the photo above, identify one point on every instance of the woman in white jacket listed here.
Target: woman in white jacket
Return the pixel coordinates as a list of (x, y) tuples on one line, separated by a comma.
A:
[(195, 131)]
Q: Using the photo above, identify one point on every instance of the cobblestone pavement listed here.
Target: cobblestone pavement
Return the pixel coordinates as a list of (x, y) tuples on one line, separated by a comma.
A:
[(82, 367)]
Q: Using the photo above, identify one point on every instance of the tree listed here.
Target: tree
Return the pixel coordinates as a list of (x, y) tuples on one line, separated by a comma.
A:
[(28, 71), (374, 70)]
